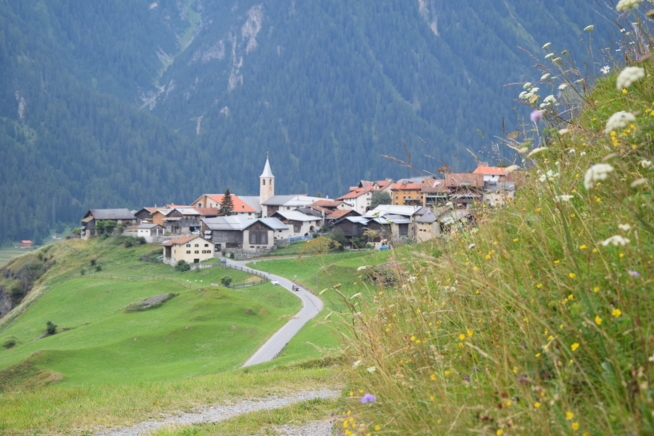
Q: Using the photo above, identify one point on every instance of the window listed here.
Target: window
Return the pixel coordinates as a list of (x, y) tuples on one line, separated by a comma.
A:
[(197, 251), (197, 245), (188, 245), (200, 204), (264, 182), (206, 245), (188, 251)]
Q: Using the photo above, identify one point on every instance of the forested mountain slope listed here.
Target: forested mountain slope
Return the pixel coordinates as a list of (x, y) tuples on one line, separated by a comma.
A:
[(127, 103)]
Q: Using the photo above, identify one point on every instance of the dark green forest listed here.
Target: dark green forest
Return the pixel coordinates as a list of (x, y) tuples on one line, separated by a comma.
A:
[(127, 103)]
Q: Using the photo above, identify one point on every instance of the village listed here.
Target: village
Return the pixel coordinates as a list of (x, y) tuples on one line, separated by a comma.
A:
[(374, 214)]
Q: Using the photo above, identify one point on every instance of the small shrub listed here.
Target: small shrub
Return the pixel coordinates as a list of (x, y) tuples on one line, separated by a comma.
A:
[(141, 240), (76, 231), (51, 328), (92, 262), (182, 266), (98, 268), (9, 343), (226, 281), (83, 271), (128, 244), (231, 255)]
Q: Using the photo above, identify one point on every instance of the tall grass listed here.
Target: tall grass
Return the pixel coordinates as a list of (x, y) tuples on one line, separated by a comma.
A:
[(533, 323)]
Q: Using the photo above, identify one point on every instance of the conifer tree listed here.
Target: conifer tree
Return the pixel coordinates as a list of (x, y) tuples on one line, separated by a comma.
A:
[(227, 206)]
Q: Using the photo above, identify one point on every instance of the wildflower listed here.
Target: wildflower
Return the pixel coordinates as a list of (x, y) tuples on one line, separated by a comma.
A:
[(616, 240), (549, 99), (371, 369), (574, 346), (526, 85), (550, 55), (569, 416), (361, 268), (583, 153), (605, 70), (462, 337), (510, 169), (628, 76), (536, 116), (572, 150), (595, 174), (471, 246), (357, 363), (547, 46), (550, 175), (625, 227), (589, 28), (536, 151), (536, 404), (598, 320), (645, 164), (368, 398), (616, 313), (623, 5), (633, 273), (563, 86), (499, 432), (575, 426), (564, 197), (618, 120), (545, 76), (572, 275)]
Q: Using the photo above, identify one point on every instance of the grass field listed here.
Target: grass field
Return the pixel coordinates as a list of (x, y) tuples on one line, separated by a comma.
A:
[(8, 253)]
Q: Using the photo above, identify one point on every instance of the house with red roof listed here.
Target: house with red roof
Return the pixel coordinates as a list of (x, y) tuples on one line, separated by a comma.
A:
[(190, 248), (358, 198), (215, 200), (491, 174)]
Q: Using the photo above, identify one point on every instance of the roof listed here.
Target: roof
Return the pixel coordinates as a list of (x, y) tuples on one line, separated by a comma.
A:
[(326, 203), (111, 214), (207, 211), (181, 240), (309, 211), (390, 209), (434, 186), (267, 172), (240, 223), (297, 200), (489, 171), (147, 226), (252, 201), (296, 215), (427, 218), (240, 206), (341, 213), (358, 220), (464, 179), (25, 242), (186, 211), (355, 193), (406, 187)]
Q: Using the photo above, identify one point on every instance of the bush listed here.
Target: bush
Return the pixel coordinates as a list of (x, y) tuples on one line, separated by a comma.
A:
[(141, 240), (231, 255), (51, 328), (226, 281), (92, 262), (76, 231), (129, 243), (9, 343), (98, 268), (182, 266)]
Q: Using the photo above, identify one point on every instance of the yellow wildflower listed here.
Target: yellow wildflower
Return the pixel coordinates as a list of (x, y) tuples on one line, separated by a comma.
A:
[(598, 320), (569, 416), (616, 312), (536, 404), (574, 346), (575, 425)]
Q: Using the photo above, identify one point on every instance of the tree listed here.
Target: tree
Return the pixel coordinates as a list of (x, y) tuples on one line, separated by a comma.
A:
[(320, 245), (227, 206), (182, 266), (380, 197), (51, 328), (105, 227)]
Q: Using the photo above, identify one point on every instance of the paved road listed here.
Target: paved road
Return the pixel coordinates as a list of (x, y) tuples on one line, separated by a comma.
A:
[(311, 306)]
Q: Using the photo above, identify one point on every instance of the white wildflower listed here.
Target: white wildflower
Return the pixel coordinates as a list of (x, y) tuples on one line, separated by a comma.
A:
[(550, 99), (412, 278), (523, 150), (628, 76), (624, 227), (646, 164), (564, 197), (549, 176), (596, 173), (523, 95), (583, 153), (616, 240), (605, 70), (572, 150), (545, 76), (357, 363), (623, 5), (549, 55), (547, 46), (371, 369), (619, 120), (534, 90), (544, 105), (563, 86), (526, 85), (510, 169), (589, 28), (563, 132), (555, 60), (361, 268), (536, 151), (471, 246)]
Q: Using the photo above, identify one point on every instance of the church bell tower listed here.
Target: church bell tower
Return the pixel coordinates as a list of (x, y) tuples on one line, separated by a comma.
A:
[(266, 183)]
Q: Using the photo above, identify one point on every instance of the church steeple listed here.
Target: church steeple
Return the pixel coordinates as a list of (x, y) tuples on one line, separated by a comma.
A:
[(266, 183)]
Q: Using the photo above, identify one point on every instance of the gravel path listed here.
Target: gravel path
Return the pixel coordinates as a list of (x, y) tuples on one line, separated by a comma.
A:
[(221, 412), (316, 428)]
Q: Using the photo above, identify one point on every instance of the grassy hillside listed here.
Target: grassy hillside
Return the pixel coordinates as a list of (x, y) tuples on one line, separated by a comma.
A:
[(539, 321)]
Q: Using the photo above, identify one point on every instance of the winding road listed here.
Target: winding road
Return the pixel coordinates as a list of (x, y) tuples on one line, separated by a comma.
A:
[(311, 306)]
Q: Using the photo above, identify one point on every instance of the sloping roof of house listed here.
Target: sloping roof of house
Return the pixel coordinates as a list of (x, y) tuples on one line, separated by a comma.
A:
[(147, 226), (355, 193), (406, 187), (296, 215), (240, 206), (252, 201), (111, 214), (489, 171), (273, 223), (309, 211), (325, 203), (455, 180), (358, 220), (383, 183), (187, 211), (208, 211), (297, 200), (366, 184), (427, 218), (181, 240), (390, 209), (337, 214), (240, 223), (434, 187)]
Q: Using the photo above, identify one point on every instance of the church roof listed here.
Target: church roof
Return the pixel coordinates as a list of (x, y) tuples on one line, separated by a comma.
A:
[(267, 172)]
